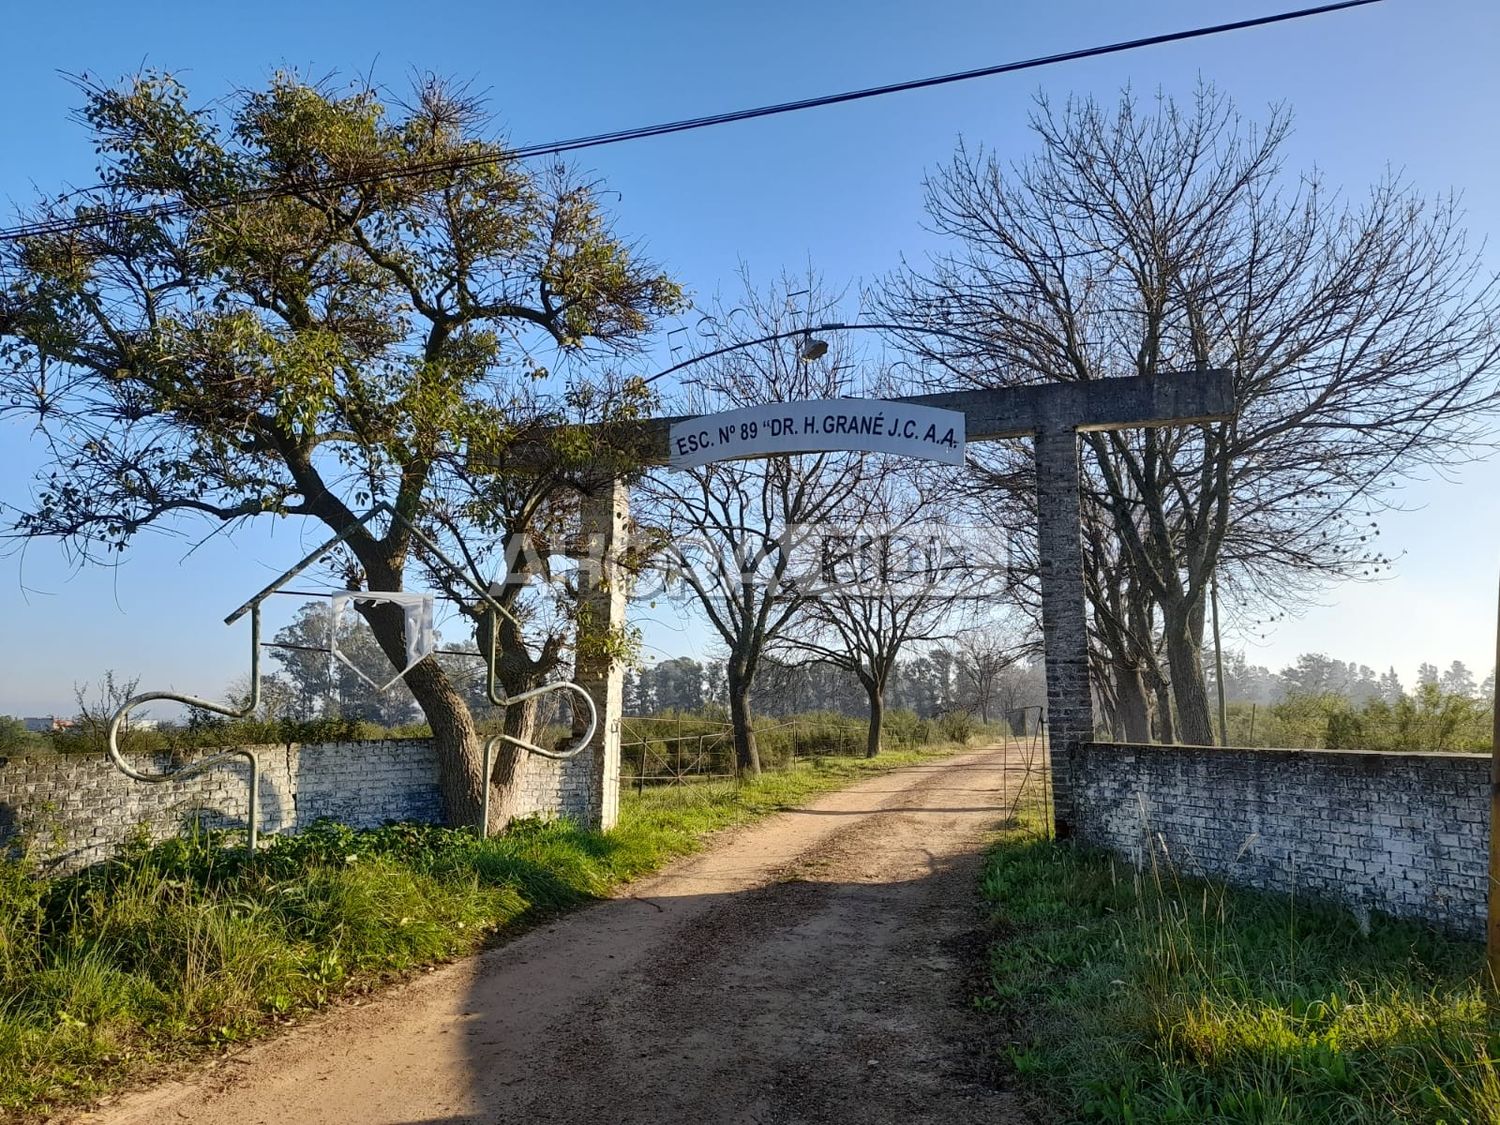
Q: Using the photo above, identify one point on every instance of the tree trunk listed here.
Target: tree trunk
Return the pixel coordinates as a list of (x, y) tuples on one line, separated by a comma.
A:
[(746, 752), (1189, 691), (455, 741), (1131, 709), (509, 765), (877, 719), (515, 671), (1165, 732)]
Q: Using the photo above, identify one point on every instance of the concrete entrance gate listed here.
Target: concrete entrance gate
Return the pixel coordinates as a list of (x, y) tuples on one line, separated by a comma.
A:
[(1052, 415)]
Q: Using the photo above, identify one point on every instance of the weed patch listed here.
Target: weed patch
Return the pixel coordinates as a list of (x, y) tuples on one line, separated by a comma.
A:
[(1140, 997)]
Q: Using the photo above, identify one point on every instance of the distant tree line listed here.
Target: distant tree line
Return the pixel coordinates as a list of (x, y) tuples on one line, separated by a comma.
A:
[(1322, 702), (945, 679), (1316, 673)]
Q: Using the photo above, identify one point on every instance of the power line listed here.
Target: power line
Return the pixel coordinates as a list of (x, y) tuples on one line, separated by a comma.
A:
[(557, 148)]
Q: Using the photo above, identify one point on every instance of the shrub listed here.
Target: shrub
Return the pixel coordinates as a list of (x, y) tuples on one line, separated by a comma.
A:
[(956, 726), (903, 727)]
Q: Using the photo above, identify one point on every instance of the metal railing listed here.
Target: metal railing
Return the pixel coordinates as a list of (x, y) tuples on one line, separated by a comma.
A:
[(493, 689), (680, 751), (675, 756), (1025, 752)]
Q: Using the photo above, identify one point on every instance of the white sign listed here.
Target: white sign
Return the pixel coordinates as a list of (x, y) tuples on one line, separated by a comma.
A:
[(871, 425)]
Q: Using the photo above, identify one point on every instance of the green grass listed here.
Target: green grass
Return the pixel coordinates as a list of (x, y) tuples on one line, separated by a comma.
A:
[(1126, 997), (172, 950)]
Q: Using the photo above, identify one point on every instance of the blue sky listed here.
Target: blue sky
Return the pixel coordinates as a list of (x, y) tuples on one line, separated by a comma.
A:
[(1403, 84)]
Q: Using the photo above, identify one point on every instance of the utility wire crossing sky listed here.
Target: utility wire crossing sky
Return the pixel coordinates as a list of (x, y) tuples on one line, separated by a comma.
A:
[(557, 148)]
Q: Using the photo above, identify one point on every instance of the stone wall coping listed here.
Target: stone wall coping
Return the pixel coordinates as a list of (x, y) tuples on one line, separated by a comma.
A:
[(47, 753), (1269, 751)]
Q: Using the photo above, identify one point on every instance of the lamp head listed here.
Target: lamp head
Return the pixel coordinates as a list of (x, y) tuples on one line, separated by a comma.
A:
[(812, 348)]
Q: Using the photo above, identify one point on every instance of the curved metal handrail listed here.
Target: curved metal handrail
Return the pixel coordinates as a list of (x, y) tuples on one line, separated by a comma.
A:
[(492, 689), (252, 805), (496, 695), (493, 741)]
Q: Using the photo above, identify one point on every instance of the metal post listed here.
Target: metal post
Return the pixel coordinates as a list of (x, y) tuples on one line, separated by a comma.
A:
[(483, 827), (1213, 589), (1005, 751), (252, 799)]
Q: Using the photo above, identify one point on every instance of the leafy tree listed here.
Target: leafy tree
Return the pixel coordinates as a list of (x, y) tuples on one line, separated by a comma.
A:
[(1458, 680), (798, 686), (1250, 683), (328, 687), (13, 733), (1363, 686), (1315, 673), (915, 686), (298, 301), (677, 684), (1390, 686)]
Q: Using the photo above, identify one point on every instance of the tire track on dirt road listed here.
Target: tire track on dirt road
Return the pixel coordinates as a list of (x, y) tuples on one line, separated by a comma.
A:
[(809, 968)]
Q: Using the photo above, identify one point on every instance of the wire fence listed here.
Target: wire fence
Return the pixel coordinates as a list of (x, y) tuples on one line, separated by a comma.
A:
[(672, 750), (1026, 767), (679, 749)]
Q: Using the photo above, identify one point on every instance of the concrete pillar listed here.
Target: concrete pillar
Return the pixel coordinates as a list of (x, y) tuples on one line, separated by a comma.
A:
[(602, 586), (1065, 642)]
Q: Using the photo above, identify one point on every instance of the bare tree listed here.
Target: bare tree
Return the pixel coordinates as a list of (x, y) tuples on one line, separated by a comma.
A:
[(1361, 339), (736, 532), (985, 650), (892, 579), (97, 704)]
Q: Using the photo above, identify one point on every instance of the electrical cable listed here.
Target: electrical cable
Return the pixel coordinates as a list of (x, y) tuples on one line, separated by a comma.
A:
[(557, 148)]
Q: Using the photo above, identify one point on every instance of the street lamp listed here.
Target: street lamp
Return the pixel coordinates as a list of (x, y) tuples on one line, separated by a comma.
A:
[(812, 348)]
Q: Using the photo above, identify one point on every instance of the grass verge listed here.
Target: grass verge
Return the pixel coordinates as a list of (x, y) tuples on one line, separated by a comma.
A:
[(173, 950), (1142, 997)]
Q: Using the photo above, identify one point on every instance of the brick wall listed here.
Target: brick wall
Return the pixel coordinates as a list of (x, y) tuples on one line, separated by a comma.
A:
[(557, 788), (78, 807), (1070, 714), (1406, 834)]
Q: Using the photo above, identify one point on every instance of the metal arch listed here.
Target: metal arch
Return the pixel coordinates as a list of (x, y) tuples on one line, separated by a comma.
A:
[(491, 743), (252, 804), (493, 691)]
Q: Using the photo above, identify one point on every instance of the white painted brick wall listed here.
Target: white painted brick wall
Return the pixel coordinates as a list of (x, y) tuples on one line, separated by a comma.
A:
[(89, 806), (1406, 834)]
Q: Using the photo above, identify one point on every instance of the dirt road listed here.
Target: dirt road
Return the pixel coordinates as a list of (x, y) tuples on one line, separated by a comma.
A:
[(808, 969)]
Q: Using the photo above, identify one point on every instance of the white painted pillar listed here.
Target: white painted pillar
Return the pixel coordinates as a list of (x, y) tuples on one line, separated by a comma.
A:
[(602, 586)]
